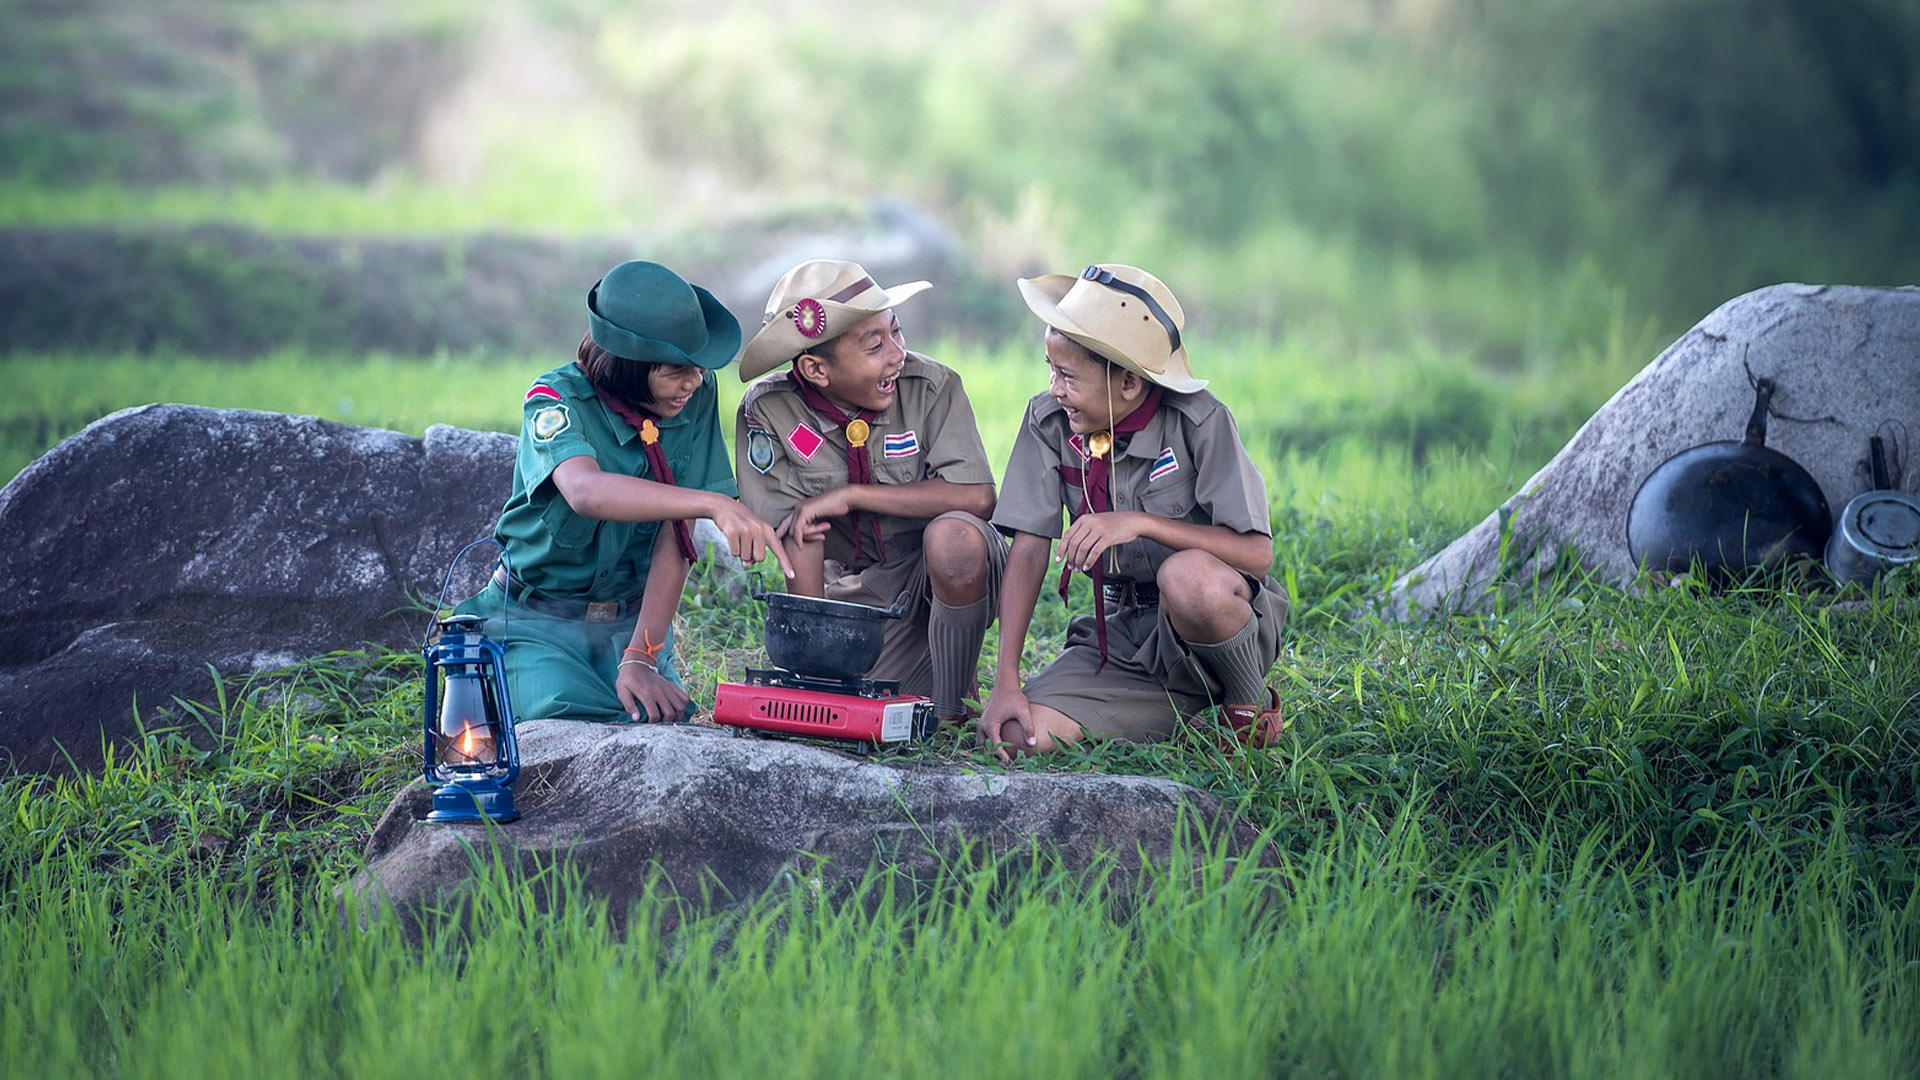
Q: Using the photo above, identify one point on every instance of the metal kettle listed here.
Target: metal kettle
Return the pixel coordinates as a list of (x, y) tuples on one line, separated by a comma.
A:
[(1878, 530), (1732, 507)]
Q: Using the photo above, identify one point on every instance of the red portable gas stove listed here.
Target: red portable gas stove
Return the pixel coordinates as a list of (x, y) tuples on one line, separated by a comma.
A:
[(867, 712)]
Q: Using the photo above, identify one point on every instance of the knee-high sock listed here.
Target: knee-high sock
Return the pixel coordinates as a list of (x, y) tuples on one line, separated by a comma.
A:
[(1236, 663), (954, 635)]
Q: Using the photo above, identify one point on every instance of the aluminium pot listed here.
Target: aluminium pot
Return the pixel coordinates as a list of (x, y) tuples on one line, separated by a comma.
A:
[(825, 639), (1729, 507), (1878, 530)]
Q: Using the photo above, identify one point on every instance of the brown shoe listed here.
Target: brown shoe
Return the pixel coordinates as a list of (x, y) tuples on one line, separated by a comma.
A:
[(1252, 725)]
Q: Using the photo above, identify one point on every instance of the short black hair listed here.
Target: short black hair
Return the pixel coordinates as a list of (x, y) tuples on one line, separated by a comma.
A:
[(628, 380)]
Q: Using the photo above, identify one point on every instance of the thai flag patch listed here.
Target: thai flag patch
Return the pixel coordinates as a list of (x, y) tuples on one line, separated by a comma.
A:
[(905, 444), (542, 390), (1163, 465), (805, 441)]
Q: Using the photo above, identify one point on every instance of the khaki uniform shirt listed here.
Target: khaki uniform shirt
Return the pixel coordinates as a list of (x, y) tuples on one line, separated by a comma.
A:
[(563, 554), (1187, 464), (785, 452)]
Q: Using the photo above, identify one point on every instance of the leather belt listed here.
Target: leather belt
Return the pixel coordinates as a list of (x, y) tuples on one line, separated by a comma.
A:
[(1131, 594), (593, 611)]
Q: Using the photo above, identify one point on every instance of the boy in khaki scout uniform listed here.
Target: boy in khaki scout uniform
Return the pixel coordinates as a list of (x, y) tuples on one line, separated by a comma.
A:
[(615, 445), (867, 457), (1169, 519)]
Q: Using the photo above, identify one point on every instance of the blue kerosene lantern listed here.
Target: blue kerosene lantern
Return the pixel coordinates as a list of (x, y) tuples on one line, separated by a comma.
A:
[(470, 747), (471, 751)]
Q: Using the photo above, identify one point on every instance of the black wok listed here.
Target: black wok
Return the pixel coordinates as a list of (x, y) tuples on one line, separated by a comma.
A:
[(1730, 507)]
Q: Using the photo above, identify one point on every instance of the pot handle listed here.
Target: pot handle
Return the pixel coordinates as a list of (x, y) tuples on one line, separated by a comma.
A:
[(1877, 462), (1763, 389), (898, 608)]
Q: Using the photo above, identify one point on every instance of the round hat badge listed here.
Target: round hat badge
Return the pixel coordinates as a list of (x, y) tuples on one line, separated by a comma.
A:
[(809, 318)]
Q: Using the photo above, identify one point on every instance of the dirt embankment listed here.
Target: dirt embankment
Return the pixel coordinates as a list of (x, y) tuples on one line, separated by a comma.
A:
[(224, 291)]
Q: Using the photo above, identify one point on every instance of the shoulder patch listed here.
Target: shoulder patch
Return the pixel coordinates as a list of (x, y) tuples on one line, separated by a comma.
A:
[(905, 444), (805, 441), (760, 449), (542, 390), (550, 421)]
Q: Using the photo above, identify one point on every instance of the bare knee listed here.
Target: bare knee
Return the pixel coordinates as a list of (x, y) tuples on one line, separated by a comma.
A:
[(956, 561), (1205, 599)]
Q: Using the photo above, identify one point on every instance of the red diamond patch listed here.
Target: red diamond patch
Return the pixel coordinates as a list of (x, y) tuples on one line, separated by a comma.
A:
[(805, 441)]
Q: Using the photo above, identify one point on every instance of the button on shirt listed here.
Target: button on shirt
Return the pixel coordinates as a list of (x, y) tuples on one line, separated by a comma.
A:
[(561, 553), (785, 452), (1187, 464)]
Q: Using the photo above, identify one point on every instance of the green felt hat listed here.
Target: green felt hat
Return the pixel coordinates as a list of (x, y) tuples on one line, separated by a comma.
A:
[(643, 311)]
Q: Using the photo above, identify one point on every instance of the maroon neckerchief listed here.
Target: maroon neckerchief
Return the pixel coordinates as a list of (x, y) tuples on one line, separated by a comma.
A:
[(656, 461), (1095, 483), (859, 467)]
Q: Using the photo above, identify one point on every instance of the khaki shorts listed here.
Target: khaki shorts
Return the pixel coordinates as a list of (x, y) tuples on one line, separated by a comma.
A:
[(1151, 680), (905, 654)]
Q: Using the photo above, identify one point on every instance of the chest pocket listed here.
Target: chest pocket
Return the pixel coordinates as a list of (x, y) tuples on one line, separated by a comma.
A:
[(569, 530), (897, 470), (1170, 495), (827, 471)]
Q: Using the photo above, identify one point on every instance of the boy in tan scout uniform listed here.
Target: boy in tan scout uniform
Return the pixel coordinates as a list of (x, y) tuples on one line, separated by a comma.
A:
[(867, 458), (1169, 519)]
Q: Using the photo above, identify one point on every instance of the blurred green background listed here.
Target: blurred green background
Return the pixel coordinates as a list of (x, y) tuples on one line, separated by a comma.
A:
[(1443, 226)]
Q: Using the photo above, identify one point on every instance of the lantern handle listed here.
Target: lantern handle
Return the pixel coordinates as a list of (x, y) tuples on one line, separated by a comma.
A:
[(505, 561)]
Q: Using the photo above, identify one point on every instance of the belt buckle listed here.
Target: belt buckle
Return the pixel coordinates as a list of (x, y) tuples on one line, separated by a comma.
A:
[(603, 611)]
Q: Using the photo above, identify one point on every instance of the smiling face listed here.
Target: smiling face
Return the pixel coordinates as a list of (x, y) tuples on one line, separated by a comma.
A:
[(1094, 394), (860, 369), (672, 386)]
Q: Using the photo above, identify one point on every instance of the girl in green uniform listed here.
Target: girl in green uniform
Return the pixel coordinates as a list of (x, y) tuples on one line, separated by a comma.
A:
[(613, 445)]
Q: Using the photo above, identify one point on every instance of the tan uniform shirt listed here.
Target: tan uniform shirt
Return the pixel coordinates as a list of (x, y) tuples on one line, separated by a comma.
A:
[(785, 452), (1187, 464)]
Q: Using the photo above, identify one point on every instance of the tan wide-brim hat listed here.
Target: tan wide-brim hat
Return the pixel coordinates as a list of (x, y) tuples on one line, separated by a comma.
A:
[(1121, 313), (812, 304)]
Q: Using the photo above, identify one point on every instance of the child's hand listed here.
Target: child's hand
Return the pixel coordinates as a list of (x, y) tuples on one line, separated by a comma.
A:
[(647, 696), (1006, 722), (1090, 535)]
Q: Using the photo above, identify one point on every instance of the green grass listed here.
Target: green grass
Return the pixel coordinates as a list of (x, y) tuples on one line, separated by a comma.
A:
[(1590, 834), (1363, 956), (296, 206)]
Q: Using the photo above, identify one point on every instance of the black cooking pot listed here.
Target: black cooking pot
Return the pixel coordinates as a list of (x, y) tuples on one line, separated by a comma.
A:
[(827, 639), (1732, 507)]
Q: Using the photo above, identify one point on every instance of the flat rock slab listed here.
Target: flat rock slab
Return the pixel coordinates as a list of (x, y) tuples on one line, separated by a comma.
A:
[(1847, 363), (733, 816)]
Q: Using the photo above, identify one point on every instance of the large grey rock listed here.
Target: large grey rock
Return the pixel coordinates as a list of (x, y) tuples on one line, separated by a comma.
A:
[(1847, 361), (167, 542), (730, 817)]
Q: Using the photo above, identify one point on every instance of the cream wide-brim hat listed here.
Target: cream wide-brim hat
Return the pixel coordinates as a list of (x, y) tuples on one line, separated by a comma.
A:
[(1121, 313), (812, 304)]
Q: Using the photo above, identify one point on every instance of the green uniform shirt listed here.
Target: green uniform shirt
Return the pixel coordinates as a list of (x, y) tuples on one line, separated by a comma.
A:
[(563, 554)]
